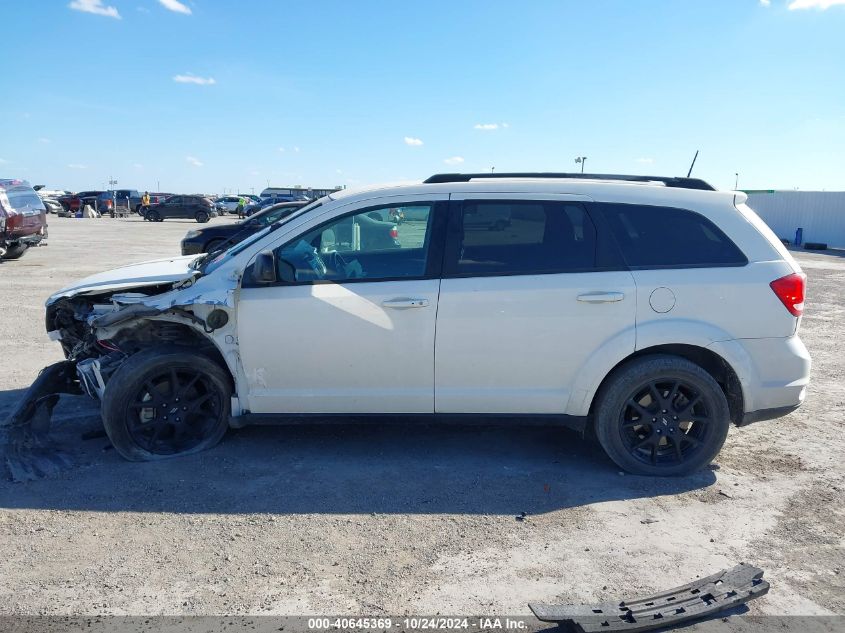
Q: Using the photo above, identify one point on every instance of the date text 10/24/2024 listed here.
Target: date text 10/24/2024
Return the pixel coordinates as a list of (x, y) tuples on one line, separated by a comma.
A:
[(422, 623)]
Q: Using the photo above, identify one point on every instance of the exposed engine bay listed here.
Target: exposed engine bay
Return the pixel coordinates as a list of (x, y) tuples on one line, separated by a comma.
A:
[(99, 332)]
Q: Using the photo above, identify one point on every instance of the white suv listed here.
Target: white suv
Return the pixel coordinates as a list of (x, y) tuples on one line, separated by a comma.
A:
[(647, 312)]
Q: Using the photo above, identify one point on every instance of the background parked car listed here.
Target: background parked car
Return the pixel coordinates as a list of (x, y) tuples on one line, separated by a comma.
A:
[(121, 196), (263, 203), (198, 208), (23, 218), (74, 202), (52, 205), (50, 198), (212, 237), (229, 203)]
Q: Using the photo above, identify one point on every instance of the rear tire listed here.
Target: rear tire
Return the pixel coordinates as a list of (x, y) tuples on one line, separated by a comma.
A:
[(201, 217), (165, 402), (661, 415), (153, 216), (15, 252)]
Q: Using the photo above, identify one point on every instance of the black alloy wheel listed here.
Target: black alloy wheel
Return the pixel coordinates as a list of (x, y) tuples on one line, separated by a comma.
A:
[(173, 411), (664, 421)]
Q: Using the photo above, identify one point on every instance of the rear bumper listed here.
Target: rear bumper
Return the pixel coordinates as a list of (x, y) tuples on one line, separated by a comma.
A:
[(766, 414), (774, 374)]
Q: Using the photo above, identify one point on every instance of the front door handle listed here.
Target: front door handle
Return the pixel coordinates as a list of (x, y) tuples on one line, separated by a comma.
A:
[(403, 303), (601, 297)]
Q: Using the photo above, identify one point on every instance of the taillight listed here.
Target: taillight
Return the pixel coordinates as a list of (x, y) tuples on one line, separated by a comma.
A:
[(790, 290), (394, 233)]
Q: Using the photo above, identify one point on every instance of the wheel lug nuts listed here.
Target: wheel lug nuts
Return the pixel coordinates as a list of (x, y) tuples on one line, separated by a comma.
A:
[(664, 410), (184, 408), (654, 419)]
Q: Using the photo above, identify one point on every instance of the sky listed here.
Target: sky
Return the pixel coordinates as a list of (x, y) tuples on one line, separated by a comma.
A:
[(217, 95)]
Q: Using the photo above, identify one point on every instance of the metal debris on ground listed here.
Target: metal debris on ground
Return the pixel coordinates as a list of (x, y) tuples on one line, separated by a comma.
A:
[(702, 598)]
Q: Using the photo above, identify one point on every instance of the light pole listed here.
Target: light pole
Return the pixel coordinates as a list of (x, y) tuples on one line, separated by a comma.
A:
[(582, 160), (736, 182)]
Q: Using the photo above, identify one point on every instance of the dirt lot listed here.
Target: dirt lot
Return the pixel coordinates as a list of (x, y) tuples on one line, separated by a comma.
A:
[(387, 520)]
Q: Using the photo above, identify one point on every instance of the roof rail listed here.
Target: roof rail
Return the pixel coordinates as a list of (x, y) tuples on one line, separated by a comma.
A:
[(680, 183)]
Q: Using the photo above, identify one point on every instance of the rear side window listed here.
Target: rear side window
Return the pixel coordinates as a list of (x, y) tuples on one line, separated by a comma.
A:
[(666, 237), (520, 238), (24, 200)]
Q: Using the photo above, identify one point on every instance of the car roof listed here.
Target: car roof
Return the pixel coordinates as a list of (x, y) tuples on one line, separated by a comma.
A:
[(5, 183), (641, 191)]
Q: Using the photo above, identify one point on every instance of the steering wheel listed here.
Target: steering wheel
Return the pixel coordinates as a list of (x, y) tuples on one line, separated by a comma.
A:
[(337, 263)]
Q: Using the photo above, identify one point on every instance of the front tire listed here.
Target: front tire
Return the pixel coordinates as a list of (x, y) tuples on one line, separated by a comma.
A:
[(201, 217), (165, 402), (661, 415)]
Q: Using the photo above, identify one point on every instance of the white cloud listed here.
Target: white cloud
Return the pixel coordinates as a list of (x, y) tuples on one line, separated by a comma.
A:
[(296, 149), (814, 4), (142, 9), (455, 160), (43, 140), (486, 126), (138, 166), (193, 161), (189, 78), (77, 166), (645, 161), (3, 161), (281, 149), (413, 142), (766, 3), (506, 124), (175, 6), (94, 6)]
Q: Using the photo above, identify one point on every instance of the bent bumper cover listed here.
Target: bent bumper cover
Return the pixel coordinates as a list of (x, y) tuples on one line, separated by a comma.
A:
[(699, 599)]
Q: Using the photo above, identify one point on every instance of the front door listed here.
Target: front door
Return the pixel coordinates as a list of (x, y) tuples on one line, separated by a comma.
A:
[(526, 299), (351, 330)]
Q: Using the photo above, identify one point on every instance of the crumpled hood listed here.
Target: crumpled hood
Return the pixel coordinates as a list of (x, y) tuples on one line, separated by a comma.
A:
[(151, 273)]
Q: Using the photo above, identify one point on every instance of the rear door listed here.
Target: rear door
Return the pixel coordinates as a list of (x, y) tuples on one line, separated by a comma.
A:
[(530, 291), (172, 207)]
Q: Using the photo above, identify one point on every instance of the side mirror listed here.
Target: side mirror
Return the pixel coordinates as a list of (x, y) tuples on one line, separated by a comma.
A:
[(264, 269)]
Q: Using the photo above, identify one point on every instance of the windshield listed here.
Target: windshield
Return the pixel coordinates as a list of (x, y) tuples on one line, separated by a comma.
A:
[(211, 261)]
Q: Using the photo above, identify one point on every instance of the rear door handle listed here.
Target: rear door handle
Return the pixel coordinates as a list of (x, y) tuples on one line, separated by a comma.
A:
[(601, 297), (403, 303)]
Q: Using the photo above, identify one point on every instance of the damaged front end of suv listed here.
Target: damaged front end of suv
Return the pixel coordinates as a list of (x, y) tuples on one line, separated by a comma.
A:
[(177, 333)]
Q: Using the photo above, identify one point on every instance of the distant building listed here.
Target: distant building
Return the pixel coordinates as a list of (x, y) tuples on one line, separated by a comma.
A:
[(307, 192), (821, 214)]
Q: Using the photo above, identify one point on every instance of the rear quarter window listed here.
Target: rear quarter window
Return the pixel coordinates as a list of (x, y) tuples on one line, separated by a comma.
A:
[(668, 237)]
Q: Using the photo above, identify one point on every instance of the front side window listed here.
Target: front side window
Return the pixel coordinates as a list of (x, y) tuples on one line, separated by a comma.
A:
[(666, 237), (520, 238), (373, 244)]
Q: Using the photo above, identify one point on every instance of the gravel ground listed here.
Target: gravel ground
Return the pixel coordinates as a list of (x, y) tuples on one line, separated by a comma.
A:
[(413, 519)]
